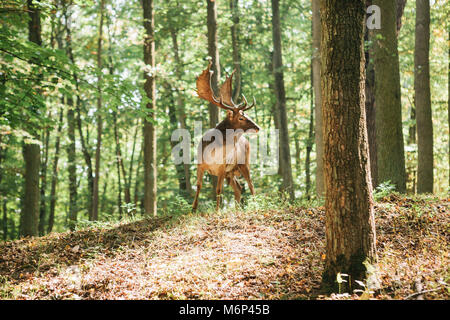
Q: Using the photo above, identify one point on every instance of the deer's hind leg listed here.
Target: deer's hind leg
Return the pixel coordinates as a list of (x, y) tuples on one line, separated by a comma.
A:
[(244, 169), (236, 188), (200, 172)]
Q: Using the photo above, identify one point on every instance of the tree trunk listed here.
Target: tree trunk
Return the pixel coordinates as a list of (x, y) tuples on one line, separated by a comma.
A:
[(150, 172), (423, 98), (370, 93), (3, 196), (51, 216), (94, 216), (389, 136), (316, 34), (118, 163), (234, 8), (274, 110), (288, 183), (187, 187), (370, 106), (350, 226), (72, 166), (213, 52), (43, 200), (31, 152), (310, 141), (83, 141)]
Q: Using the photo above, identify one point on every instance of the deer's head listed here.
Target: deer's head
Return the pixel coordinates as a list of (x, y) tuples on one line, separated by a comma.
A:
[(236, 117)]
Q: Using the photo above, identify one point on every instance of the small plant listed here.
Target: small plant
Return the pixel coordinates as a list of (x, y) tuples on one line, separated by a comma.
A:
[(340, 280), (383, 190)]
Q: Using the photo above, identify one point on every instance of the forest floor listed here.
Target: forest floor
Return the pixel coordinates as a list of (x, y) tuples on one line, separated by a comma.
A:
[(275, 253)]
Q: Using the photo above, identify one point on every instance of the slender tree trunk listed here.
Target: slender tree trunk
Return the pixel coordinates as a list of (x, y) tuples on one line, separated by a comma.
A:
[(234, 8), (274, 110), (310, 142), (72, 166), (316, 34), (370, 106), (150, 172), (288, 183), (423, 98), (84, 142), (31, 152), (213, 52), (2, 195), (43, 200), (350, 226), (5, 218), (95, 198), (118, 163), (180, 106), (389, 136), (51, 216)]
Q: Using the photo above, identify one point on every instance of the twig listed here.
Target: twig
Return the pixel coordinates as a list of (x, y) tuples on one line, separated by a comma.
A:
[(421, 292)]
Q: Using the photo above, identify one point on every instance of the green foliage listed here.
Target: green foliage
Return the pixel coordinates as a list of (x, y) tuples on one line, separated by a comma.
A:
[(383, 190)]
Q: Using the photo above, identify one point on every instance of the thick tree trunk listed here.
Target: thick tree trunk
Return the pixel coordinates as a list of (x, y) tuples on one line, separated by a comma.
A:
[(150, 172), (423, 98), (51, 216), (288, 183), (389, 136), (350, 226), (99, 120), (31, 152), (316, 34), (370, 93)]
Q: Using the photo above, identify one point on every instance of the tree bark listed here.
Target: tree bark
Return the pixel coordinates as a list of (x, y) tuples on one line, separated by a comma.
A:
[(370, 93), (72, 166), (388, 116), (288, 183), (150, 172), (423, 98), (84, 142), (350, 226), (31, 151), (51, 216), (310, 142), (186, 185), (234, 8), (95, 198), (316, 35), (213, 52), (43, 187)]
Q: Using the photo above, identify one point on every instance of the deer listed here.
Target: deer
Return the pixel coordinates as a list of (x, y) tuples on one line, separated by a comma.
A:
[(223, 151)]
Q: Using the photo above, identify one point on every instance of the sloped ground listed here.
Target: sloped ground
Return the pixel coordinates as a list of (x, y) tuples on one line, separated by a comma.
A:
[(271, 254)]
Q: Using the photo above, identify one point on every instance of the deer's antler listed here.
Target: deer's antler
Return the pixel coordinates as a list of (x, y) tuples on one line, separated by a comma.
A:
[(205, 91)]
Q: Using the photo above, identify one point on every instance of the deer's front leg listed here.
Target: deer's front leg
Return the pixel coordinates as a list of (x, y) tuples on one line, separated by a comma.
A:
[(219, 189), (200, 172)]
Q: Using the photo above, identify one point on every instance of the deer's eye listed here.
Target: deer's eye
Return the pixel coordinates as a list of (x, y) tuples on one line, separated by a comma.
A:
[(242, 119)]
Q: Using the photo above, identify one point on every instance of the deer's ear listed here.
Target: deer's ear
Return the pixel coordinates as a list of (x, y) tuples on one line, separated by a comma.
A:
[(230, 115)]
